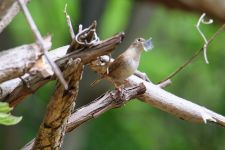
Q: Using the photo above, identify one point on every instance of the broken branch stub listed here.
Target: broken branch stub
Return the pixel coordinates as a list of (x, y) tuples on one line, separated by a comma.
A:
[(26, 61)]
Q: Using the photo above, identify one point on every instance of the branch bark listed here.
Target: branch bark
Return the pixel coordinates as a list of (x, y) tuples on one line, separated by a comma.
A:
[(52, 129), (15, 94), (27, 56), (106, 102), (159, 98)]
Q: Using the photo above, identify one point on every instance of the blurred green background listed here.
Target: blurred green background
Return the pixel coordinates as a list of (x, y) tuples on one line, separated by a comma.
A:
[(136, 126)]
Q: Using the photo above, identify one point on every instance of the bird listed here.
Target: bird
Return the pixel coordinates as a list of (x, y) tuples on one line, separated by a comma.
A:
[(126, 63)]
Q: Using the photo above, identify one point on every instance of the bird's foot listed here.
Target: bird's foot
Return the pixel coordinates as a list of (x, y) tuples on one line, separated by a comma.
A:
[(118, 96)]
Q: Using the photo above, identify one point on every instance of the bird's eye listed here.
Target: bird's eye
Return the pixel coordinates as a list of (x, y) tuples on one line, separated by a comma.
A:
[(139, 40)]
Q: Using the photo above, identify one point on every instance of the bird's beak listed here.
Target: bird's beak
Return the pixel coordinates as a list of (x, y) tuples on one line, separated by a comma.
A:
[(147, 45)]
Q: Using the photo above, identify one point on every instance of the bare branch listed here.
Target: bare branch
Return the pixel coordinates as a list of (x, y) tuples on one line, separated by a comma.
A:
[(20, 91), (168, 102), (175, 105), (26, 57), (165, 83), (189, 61), (41, 42), (154, 95), (52, 130), (97, 107), (107, 101), (69, 23)]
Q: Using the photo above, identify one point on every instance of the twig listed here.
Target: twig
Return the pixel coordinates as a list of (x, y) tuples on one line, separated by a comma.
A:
[(194, 55), (165, 83), (69, 23), (40, 40), (201, 20)]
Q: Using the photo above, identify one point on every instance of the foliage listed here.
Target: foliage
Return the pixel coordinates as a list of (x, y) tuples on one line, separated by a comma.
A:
[(5, 117)]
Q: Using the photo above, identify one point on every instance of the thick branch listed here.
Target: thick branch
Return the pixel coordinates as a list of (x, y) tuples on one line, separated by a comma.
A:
[(179, 107), (18, 93), (166, 101), (53, 127), (97, 107), (102, 104), (26, 57)]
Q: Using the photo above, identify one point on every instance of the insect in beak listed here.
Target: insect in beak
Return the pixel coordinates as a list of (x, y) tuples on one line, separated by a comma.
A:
[(148, 45)]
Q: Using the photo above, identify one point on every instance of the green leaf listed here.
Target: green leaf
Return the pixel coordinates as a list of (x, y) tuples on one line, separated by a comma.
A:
[(5, 117), (8, 119), (4, 107)]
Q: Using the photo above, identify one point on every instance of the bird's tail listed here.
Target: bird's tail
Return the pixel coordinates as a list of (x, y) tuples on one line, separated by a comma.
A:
[(96, 81)]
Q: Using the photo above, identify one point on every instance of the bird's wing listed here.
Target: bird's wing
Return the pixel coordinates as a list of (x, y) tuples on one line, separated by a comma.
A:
[(97, 80), (114, 66)]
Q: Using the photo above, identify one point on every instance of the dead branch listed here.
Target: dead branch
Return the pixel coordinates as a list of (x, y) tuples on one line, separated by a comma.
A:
[(43, 47), (159, 98), (102, 104), (8, 10), (14, 91), (26, 58), (53, 127), (97, 107), (69, 23), (175, 105)]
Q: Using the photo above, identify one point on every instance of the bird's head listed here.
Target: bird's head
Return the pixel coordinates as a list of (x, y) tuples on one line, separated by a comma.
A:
[(143, 44)]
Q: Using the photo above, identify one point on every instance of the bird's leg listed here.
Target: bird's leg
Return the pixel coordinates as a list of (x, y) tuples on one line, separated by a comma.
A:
[(119, 89), (117, 95), (108, 63)]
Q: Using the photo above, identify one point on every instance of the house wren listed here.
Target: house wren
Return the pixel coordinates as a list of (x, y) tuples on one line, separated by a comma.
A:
[(126, 63)]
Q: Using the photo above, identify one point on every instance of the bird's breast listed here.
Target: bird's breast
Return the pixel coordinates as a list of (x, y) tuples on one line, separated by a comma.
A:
[(125, 69)]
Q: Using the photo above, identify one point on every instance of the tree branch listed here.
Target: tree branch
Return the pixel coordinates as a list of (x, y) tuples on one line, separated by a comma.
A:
[(14, 91), (26, 58), (97, 107), (166, 101), (52, 130), (154, 95)]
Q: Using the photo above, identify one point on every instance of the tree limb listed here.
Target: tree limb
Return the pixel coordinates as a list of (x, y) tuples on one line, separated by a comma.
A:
[(52, 130), (26, 58), (159, 98), (154, 95), (15, 94), (97, 107)]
